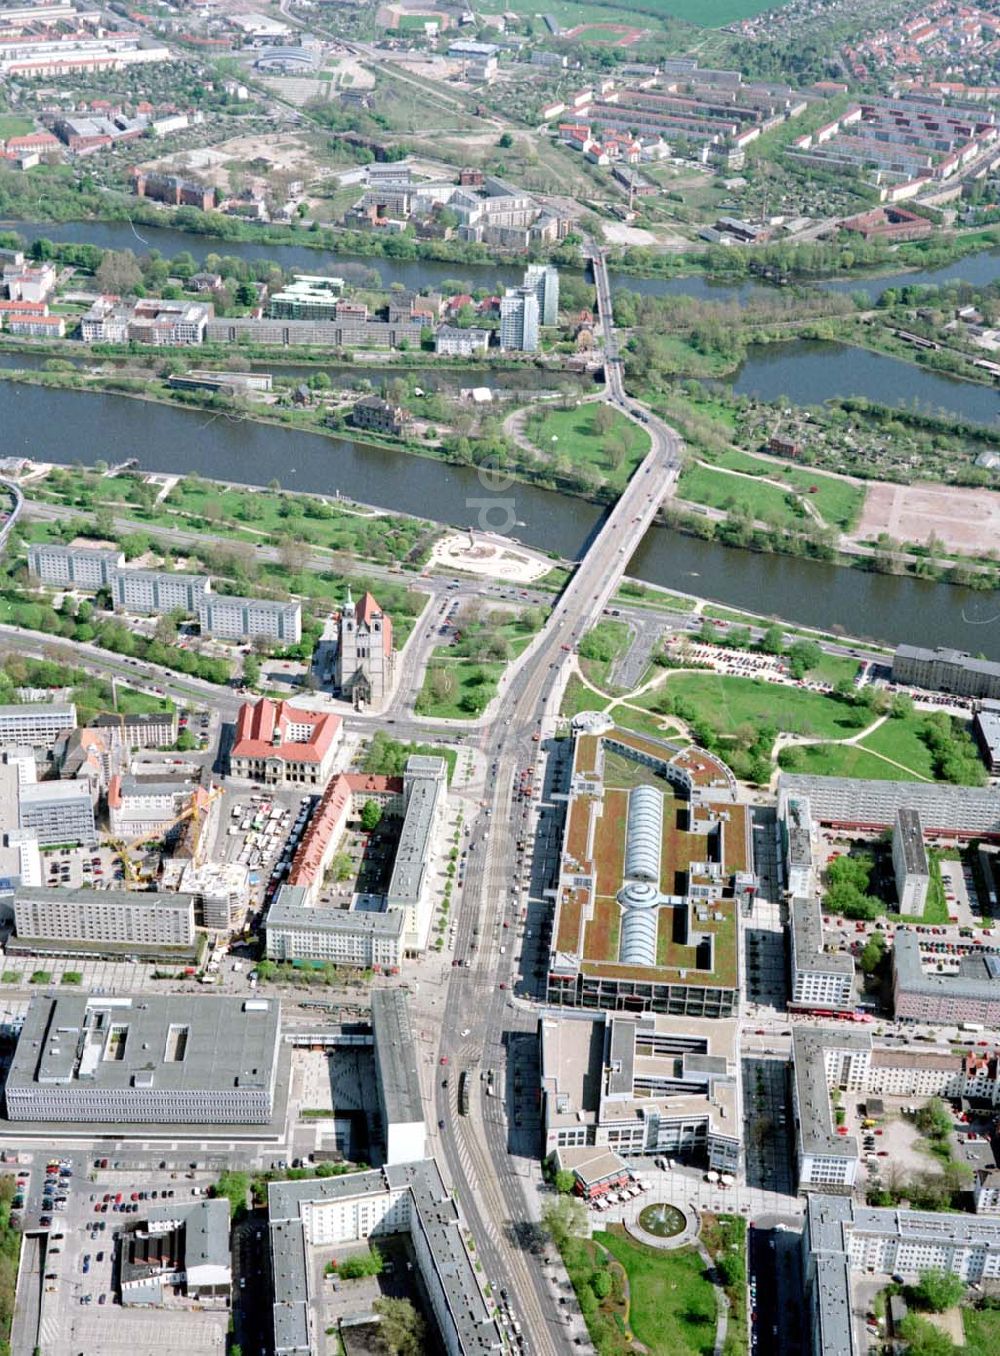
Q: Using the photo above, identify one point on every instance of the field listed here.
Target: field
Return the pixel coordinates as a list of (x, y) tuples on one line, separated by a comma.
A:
[(837, 501), (960, 519), (614, 35), (13, 126), (729, 704), (671, 1300), (614, 454)]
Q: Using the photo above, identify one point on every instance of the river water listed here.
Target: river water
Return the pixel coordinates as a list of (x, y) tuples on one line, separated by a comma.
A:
[(71, 426), (85, 427)]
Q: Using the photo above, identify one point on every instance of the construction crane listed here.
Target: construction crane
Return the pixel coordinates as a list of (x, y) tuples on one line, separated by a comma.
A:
[(200, 803)]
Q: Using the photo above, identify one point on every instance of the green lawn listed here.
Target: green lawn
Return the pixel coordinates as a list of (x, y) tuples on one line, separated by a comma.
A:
[(837, 501), (578, 697), (728, 703), (474, 685), (839, 760), (671, 1302), (646, 722), (982, 1331), (900, 740), (832, 668), (13, 126), (613, 455), (715, 489), (600, 647)]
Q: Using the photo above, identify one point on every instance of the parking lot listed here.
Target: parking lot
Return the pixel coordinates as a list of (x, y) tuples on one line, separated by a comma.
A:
[(64, 1196)]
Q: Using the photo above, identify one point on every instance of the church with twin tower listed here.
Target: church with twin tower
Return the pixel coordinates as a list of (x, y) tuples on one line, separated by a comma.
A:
[(365, 664)]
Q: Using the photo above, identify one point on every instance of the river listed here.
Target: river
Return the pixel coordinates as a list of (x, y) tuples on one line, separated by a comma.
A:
[(427, 273), (72, 426)]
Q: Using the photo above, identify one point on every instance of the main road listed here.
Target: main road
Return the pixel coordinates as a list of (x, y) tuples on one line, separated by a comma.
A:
[(480, 1018)]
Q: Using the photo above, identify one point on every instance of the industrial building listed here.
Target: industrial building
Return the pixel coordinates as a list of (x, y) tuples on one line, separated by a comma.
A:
[(642, 1085), (145, 1059), (651, 879), (118, 920), (230, 618), (181, 1246), (84, 567), (37, 724), (945, 670), (909, 861), (406, 1198), (284, 745)]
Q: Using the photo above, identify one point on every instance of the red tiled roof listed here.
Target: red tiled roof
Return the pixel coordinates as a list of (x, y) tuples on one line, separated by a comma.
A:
[(366, 610), (258, 721), (329, 819)]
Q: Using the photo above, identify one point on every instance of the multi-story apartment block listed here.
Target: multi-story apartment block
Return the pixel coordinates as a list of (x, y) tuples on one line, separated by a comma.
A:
[(841, 1238), (519, 320), (425, 791), (397, 1078), (909, 860), (378, 415), (822, 1059), (158, 591), (307, 297), (543, 279), (118, 918), (944, 670), (145, 805), (452, 341), (965, 989), (79, 567), (359, 938), (870, 806), (148, 1059), (57, 812), (820, 978), (141, 730), (642, 1085), (406, 1198), (230, 618), (281, 744), (352, 327), (36, 724)]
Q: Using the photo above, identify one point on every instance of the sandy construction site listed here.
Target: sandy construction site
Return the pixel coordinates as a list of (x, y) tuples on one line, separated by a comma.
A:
[(965, 520)]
